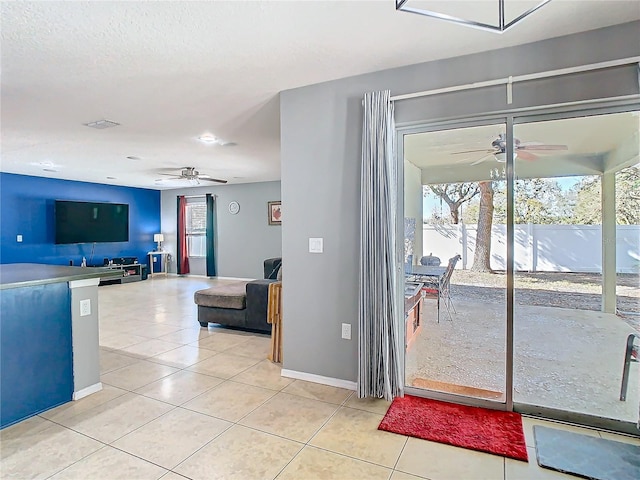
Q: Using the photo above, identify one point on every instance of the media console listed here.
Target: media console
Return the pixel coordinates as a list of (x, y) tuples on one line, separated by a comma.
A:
[(130, 273)]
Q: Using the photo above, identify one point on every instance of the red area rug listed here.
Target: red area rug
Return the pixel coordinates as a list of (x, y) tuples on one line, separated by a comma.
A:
[(490, 431)]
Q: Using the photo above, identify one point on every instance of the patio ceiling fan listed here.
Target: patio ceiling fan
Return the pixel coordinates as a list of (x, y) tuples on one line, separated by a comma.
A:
[(193, 175), (522, 150)]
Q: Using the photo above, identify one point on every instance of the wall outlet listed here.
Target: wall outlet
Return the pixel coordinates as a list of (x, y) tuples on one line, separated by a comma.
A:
[(346, 331), (85, 307), (18, 238)]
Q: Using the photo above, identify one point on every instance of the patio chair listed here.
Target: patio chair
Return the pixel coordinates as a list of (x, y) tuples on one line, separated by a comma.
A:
[(440, 288), (631, 355)]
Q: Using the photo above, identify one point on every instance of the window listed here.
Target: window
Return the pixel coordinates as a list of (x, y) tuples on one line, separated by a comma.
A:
[(197, 229)]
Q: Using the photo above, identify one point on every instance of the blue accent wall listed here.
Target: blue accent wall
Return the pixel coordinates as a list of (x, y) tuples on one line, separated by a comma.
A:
[(27, 209), (36, 367)]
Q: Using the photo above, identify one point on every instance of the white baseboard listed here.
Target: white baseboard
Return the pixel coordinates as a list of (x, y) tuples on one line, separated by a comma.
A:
[(233, 278), (87, 391), (192, 275), (310, 377)]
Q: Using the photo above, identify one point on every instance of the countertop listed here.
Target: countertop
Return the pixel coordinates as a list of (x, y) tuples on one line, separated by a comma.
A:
[(14, 275)]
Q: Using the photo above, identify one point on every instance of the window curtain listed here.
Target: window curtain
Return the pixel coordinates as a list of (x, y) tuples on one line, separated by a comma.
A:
[(183, 256), (380, 346), (211, 218)]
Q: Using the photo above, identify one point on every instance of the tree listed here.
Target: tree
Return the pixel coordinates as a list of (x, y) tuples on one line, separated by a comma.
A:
[(541, 201), (628, 196), (454, 195), (588, 207), (482, 255)]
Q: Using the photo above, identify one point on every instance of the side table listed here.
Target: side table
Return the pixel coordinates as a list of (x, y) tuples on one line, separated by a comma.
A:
[(164, 263)]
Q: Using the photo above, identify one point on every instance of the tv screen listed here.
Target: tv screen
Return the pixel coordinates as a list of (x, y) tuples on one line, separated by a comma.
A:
[(89, 222)]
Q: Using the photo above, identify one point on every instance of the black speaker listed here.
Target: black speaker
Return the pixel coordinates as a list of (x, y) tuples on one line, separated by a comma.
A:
[(118, 260), (105, 261), (129, 260)]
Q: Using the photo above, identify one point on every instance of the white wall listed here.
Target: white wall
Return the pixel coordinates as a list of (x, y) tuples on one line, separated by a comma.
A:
[(243, 241), (413, 204), (541, 248)]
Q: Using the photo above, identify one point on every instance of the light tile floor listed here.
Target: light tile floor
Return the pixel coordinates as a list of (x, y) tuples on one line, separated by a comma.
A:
[(181, 401)]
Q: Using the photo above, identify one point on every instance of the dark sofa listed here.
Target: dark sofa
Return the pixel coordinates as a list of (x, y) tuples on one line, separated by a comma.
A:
[(239, 304)]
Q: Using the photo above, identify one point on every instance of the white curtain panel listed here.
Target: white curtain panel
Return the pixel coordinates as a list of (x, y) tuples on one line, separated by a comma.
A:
[(379, 346)]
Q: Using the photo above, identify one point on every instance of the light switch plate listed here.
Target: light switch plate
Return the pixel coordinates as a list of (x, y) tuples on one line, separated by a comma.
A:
[(18, 238), (315, 245)]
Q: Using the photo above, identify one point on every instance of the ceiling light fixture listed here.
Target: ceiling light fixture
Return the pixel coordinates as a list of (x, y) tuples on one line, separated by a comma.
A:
[(213, 140), (208, 138), (102, 124), (500, 26)]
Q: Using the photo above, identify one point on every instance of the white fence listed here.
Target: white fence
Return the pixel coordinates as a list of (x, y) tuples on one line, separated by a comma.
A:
[(541, 248)]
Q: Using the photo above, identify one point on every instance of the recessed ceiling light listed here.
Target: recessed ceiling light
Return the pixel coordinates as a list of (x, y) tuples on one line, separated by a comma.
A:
[(111, 178), (213, 140), (49, 170), (102, 124), (133, 157), (208, 138)]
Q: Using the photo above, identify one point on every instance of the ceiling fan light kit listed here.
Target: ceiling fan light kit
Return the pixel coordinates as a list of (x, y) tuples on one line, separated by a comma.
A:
[(501, 157), (193, 176), (500, 26), (521, 150)]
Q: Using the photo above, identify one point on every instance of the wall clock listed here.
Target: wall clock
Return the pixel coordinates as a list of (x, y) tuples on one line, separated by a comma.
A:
[(234, 208)]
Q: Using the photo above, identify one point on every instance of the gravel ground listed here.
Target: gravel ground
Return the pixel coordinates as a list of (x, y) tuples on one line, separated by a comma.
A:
[(556, 289)]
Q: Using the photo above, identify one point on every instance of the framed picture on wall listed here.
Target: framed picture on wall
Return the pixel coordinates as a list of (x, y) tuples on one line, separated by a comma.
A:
[(275, 213)]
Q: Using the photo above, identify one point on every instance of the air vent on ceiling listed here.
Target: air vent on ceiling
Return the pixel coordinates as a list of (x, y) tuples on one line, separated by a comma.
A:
[(102, 124)]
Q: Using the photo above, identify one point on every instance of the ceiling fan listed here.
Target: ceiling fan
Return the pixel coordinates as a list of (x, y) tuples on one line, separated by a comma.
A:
[(191, 174), (522, 150)]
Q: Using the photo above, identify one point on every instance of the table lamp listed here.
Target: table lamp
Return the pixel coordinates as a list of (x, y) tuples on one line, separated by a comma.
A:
[(158, 238)]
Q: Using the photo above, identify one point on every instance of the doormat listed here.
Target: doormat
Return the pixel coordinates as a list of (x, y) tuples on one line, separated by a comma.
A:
[(457, 389), (586, 456), (475, 428)]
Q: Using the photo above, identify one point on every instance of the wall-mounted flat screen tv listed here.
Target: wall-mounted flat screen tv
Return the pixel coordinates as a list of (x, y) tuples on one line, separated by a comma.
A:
[(91, 222)]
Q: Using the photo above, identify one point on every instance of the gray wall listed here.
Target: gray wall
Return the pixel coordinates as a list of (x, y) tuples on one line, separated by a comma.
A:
[(244, 240), (85, 336), (320, 151)]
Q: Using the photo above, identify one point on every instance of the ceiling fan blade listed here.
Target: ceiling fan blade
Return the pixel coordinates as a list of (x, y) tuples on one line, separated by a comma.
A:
[(213, 180), (473, 151), (171, 175), (483, 158), (542, 147), (526, 155)]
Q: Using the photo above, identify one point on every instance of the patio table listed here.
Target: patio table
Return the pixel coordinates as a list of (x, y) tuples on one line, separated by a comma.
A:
[(428, 271)]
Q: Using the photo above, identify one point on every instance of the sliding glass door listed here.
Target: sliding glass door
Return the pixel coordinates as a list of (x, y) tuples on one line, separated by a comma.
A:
[(455, 261), (539, 310), (577, 252)]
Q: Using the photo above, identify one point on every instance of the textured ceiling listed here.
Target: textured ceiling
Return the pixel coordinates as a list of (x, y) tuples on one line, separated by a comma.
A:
[(171, 71)]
